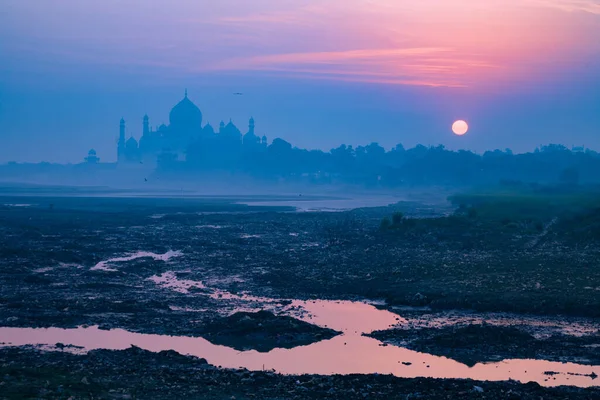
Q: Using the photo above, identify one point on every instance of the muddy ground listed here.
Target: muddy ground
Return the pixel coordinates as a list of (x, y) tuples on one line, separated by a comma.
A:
[(263, 331), (471, 344), (29, 373), (51, 252), (55, 272)]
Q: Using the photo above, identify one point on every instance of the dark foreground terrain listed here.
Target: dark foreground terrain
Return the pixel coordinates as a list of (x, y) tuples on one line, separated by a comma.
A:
[(546, 263), (29, 373), (263, 331), (184, 267), (471, 344)]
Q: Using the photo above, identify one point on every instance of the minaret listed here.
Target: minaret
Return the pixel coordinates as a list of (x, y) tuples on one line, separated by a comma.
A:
[(251, 126), (146, 124), (121, 145)]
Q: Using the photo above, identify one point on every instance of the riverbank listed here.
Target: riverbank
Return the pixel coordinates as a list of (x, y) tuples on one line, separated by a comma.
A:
[(139, 374), (474, 343)]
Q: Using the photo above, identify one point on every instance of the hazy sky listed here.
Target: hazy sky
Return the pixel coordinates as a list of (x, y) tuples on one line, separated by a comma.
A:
[(314, 72)]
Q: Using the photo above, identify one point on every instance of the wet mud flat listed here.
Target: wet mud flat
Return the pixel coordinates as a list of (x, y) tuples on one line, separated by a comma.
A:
[(443, 263), (474, 343), (90, 261), (31, 373), (183, 268), (472, 337)]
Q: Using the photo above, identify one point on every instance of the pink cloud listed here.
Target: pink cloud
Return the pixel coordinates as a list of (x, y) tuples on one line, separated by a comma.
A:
[(440, 42), (429, 66), (361, 77), (326, 57), (588, 6)]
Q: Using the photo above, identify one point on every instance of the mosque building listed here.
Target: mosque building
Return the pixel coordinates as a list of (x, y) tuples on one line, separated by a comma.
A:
[(92, 157), (185, 134)]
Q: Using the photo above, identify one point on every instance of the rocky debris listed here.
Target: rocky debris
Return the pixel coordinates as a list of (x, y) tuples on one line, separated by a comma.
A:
[(475, 343), (263, 331), (419, 297), (136, 373), (336, 256)]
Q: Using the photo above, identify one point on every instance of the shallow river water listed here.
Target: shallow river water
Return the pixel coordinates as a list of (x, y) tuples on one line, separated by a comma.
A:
[(347, 353), (339, 204)]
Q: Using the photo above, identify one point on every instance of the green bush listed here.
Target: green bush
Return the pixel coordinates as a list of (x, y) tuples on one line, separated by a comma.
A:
[(472, 213), (409, 222), (397, 218), (385, 223)]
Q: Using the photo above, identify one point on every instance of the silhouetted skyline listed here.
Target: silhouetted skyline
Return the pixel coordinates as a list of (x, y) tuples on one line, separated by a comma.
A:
[(522, 73)]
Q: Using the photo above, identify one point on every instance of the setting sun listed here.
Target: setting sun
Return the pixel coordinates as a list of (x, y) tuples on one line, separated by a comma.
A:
[(460, 127)]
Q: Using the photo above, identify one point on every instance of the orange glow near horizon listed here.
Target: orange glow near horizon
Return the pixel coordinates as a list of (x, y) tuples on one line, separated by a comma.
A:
[(455, 43)]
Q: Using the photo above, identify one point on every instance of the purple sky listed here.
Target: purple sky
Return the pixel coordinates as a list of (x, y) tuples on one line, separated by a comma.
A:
[(316, 73)]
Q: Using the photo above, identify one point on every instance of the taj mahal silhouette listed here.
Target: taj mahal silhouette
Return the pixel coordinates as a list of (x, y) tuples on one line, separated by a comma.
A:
[(186, 138)]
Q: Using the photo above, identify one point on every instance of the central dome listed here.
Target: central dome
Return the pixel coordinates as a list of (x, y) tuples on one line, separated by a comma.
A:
[(185, 116)]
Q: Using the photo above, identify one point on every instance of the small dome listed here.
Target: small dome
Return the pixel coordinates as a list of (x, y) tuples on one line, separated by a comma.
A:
[(208, 129), (264, 138), (92, 152), (185, 116), (222, 124), (231, 130), (131, 143)]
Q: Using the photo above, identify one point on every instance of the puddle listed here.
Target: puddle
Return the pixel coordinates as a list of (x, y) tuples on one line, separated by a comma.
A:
[(344, 354), (104, 265), (43, 270), (327, 205), (539, 327), (353, 353), (168, 280), (345, 316), (70, 265), (226, 280), (348, 353), (312, 244)]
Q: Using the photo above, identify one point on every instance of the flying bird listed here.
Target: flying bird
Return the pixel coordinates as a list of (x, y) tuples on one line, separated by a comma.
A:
[(238, 94)]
